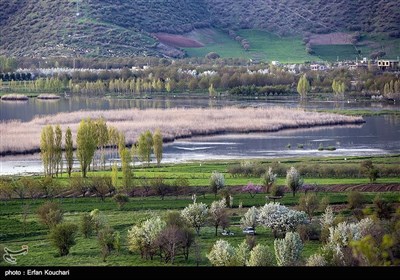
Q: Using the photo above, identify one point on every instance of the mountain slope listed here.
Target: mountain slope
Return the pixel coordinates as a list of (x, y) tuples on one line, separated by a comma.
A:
[(126, 27)]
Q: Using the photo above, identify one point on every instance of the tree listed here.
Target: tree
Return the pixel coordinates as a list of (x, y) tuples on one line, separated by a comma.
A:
[(102, 186), (142, 237), (260, 255), (80, 185), (309, 203), (355, 200), (212, 55), (316, 260), (47, 148), (303, 86), (268, 179), (288, 250), (121, 143), (222, 254), (58, 150), (250, 218), (158, 145), (108, 240), (280, 218), (145, 145), (127, 176), (293, 180), (69, 151), (218, 214), (217, 182), (211, 90), (242, 253), (50, 214), (195, 215), (251, 189), (86, 143), (114, 175), (62, 236), (102, 138), (367, 168)]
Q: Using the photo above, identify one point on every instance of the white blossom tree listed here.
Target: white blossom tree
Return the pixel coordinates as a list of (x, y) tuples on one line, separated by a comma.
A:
[(327, 217), (217, 182), (261, 255), (288, 250), (142, 238), (293, 180), (316, 260), (195, 214), (222, 254), (250, 218), (218, 214), (280, 218), (242, 253), (268, 179)]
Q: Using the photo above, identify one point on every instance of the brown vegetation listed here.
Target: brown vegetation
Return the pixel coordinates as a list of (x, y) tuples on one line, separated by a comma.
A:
[(337, 38), (19, 137), (14, 97), (177, 40)]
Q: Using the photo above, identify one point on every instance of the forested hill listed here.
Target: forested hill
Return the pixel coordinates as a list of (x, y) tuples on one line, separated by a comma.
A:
[(126, 27)]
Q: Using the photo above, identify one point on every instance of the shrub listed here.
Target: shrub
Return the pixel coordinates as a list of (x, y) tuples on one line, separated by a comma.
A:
[(121, 200), (87, 225), (277, 190), (99, 220), (355, 200), (268, 179), (309, 203), (369, 170), (252, 189), (316, 260), (50, 214), (242, 253), (250, 218), (62, 236)]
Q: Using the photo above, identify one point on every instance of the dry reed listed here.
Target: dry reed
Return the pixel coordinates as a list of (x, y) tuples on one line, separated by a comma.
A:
[(14, 97), (19, 137)]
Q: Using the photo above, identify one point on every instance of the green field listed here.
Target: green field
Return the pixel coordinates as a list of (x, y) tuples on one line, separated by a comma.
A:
[(19, 224), (264, 46)]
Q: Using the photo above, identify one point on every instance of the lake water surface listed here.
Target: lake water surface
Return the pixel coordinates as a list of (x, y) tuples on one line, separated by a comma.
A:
[(378, 135)]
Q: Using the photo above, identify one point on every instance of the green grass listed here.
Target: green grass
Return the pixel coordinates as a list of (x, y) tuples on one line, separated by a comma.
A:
[(86, 252), (364, 113), (263, 45), (335, 52)]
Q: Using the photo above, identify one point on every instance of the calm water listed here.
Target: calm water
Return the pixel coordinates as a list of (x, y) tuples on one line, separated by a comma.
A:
[(26, 110), (379, 135)]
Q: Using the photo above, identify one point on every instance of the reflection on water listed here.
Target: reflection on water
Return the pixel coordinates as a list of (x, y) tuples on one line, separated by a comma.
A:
[(26, 110)]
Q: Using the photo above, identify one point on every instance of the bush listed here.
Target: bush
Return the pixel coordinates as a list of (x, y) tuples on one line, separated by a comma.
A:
[(369, 170), (87, 225), (288, 250), (62, 236), (107, 241), (50, 214), (260, 255), (355, 200), (121, 200), (277, 190), (309, 203)]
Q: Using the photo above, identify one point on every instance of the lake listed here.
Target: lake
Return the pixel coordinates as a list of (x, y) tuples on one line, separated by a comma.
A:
[(378, 135)]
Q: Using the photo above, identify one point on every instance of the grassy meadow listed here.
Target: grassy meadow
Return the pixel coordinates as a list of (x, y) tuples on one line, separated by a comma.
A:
[(19, 223)]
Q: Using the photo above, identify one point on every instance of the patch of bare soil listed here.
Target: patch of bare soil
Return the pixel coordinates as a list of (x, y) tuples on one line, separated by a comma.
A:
[(363, 188), (337, 38), (177, 40)]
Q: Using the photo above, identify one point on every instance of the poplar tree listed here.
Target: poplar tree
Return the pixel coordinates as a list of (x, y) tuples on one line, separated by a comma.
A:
[(86, 144), (58, 150), (47, 149), (145, 145), (158, 145), (303, 86), (69, 150)]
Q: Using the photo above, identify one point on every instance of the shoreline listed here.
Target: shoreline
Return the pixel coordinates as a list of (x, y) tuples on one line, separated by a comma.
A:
[(213, 133)]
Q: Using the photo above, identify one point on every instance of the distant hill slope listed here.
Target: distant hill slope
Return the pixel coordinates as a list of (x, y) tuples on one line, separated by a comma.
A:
[(128, 27)]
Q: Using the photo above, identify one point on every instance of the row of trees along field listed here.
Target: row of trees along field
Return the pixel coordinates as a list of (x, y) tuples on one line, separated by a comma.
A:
[(252, 80), (92, 139)]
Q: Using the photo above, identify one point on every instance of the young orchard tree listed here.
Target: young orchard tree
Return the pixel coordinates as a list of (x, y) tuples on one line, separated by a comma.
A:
[(309, 203), (293, 180), (217, 182), (62, 236), (158, 146), (218, 214), (260, 255), (195, 215), (222, 254), (69, 151), (288, 250), (250, 218), (86, 143), (268, 179), (127, 175)]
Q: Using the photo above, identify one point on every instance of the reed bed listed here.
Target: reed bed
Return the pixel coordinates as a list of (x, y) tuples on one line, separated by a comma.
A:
[(19, 137), (46, 96), (14, 97)]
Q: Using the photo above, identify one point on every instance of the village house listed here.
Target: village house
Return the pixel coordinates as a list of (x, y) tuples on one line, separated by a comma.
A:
[(388, 64)]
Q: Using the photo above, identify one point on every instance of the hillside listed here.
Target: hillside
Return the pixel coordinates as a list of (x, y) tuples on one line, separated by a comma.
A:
[(133, 27)]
